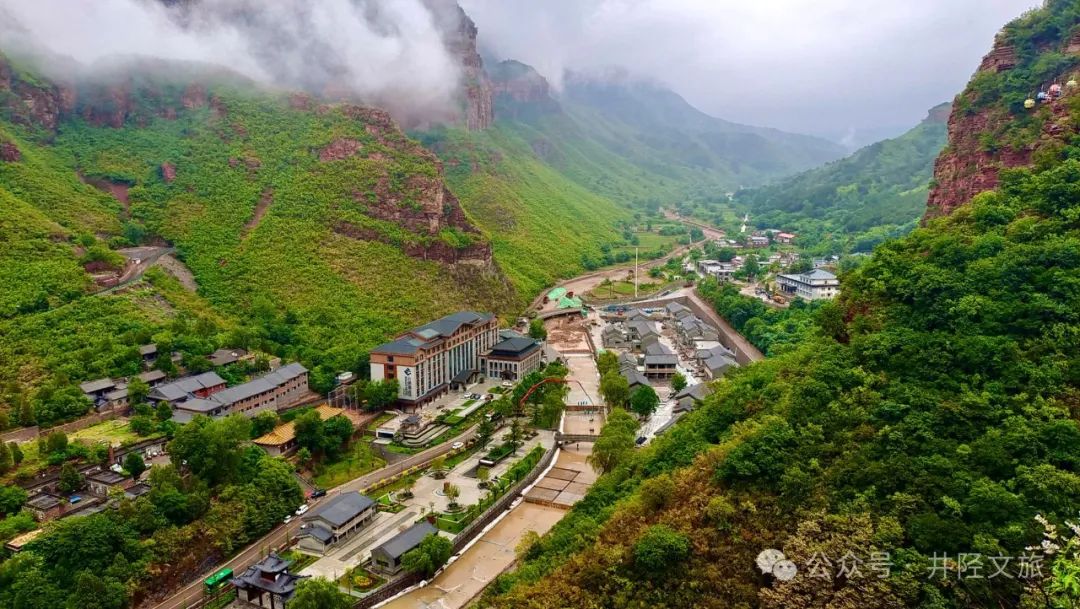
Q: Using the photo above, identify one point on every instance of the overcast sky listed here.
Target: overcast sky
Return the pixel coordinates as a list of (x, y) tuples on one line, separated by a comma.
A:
[(846, 69)]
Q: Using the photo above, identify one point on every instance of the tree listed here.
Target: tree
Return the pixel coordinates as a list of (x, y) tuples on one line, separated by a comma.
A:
[(142, 425), (616, 441), (438, 467), (137, 391), (16, 453), (678, 382), (94, 592), (212, 449), (425, 559), (537, 329), (27, 417), (319, 593), (660, 549), (12, 499), (337, 431), (163, 412), (308, 428), (5, 458), (751, 268), (379, 395), (134, 464), (303, 455), (615, 389), (644, 401), (452, 493), (484, 431), (56, 442), (607, 362), (70, 479), (263, 423), (516, 434)]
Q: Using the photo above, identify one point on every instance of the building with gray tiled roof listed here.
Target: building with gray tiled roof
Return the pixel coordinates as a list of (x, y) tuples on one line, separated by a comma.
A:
[(272, 391), (387, 556), (335, 520), (429, 360), (268, 580)]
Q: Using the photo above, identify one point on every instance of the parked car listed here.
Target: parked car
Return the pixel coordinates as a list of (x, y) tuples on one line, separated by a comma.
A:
[(507, 384), (301, 510), (319, 492), (457, 445), (287, 520)]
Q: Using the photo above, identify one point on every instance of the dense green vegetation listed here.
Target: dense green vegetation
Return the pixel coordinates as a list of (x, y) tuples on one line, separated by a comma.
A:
[(541, 223), (1036, 38), (772, 330), (931, 409), (856, 202), (227, 494), (291, 245)]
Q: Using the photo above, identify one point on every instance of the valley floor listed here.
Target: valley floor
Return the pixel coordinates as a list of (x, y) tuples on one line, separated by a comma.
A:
[(493, 552)]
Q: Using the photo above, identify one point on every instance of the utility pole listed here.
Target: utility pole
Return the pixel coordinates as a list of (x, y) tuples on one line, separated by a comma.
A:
[(635, 272)]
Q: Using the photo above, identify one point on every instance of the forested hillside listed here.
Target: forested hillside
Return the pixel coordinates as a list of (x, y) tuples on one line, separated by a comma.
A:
[(874, 191), (323, 228), (932, 413)]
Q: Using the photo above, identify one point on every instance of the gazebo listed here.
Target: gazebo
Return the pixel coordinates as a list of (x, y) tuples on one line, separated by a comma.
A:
[(268, 580)]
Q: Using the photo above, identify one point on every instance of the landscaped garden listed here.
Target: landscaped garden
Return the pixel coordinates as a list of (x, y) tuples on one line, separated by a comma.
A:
[(457, 521), (360, 580)]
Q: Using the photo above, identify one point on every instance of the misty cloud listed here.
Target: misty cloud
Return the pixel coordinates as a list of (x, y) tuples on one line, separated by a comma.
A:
[(839, 68), (386, 53)]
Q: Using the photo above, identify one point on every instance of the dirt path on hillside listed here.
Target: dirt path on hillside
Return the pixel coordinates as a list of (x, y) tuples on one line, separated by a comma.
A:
[(178, 270), (260, 210)]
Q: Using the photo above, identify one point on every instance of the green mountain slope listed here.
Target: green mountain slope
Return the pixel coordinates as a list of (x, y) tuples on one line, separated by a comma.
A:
[(321, 229), (882, 185), (934, 413), (542, 222), (654, 127)]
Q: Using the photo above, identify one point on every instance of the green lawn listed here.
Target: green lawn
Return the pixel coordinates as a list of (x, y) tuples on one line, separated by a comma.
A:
[(112, 432), (650, 242), (619, 289), (359, 460)]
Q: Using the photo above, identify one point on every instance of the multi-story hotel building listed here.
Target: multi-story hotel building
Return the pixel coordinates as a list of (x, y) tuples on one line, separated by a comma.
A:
[(428, 360)]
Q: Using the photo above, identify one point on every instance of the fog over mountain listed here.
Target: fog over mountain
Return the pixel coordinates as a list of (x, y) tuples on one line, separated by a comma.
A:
[(390, 53), (852, 71)]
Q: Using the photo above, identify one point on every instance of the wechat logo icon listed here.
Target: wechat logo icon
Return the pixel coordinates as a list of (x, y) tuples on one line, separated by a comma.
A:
[(773, 562)]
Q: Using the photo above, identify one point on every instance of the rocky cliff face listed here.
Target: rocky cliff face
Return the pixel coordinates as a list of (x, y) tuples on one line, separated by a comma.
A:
[(425, 206), (32, 102), (459, 36), (519, 91), (978, 148)]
